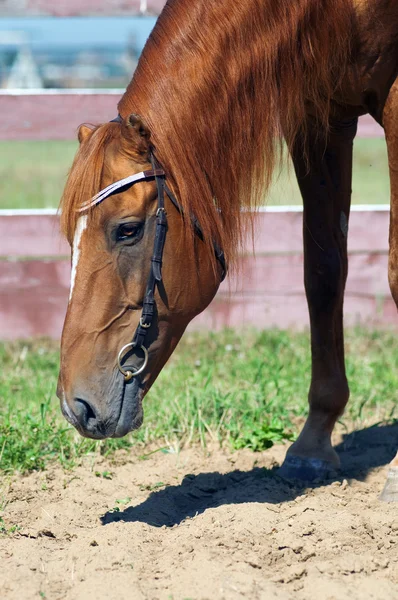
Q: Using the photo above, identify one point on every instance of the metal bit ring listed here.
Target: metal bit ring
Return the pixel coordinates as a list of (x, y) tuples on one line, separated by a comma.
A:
[(128, 374)]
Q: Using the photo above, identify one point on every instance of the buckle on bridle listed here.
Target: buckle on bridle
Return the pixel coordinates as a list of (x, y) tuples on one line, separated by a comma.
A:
[(144, 325)]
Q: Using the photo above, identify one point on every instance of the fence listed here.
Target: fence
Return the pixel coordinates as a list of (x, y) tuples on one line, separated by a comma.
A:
[(35, 274)]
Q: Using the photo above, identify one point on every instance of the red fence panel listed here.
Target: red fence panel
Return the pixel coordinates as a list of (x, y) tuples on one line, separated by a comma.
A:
[(278, 231), (56, 114), (31, 234), (268, 292)]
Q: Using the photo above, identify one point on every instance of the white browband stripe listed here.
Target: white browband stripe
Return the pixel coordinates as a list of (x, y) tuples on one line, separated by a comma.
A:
[(113, 187), (110, 189)]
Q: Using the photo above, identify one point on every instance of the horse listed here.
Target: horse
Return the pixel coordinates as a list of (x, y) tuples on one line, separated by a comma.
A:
[(156, 204)]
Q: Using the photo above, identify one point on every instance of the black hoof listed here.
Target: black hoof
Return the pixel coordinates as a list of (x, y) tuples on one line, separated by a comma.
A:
[(306, 469)]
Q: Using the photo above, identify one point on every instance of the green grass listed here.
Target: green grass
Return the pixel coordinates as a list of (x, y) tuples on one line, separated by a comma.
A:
[(241, 390), (370, 181), (33, 174)]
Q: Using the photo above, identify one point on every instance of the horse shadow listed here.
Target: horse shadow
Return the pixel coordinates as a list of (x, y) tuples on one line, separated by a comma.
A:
[(360, 452)]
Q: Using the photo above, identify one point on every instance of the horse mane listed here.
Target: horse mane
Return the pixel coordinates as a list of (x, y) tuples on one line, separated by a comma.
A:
[(220, 84), (84, 179)]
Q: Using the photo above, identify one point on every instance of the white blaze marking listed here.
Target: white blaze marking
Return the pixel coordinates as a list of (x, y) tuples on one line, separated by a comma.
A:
[(80, 227)]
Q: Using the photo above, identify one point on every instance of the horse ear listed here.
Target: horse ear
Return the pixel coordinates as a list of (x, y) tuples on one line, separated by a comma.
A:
[(84, 133), (136, 132)]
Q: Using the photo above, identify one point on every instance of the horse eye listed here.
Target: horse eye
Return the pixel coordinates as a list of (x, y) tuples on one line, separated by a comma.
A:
[(128, 231)]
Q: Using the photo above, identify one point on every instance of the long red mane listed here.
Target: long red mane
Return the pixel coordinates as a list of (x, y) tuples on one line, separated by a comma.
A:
[(219, 84)]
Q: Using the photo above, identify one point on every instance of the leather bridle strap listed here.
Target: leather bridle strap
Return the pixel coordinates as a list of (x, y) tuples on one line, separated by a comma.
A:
[(155, 274), (219, 254)]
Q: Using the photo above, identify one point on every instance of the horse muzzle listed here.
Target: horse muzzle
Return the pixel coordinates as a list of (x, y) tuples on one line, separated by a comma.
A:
[(108, 417)]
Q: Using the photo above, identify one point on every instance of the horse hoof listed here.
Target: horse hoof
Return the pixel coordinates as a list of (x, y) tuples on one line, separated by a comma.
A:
[(390, 492), (306, 469)]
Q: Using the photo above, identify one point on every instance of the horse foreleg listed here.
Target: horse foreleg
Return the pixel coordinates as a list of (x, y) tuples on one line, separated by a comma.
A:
[(390, 122), (325, 183)]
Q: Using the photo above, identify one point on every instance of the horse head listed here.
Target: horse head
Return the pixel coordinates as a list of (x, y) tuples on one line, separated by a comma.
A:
[(132, 294)]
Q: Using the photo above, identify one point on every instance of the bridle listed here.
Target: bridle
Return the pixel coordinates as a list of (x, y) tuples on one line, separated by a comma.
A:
[(155, 275)]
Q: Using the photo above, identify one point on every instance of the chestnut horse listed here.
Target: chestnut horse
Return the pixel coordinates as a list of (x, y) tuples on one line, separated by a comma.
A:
[(218, 85)]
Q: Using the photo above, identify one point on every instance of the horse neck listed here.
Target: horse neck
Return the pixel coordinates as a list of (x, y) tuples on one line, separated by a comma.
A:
[(218, 81)]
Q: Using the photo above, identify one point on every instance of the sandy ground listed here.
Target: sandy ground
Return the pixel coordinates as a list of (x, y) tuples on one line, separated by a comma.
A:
[(204, 525)]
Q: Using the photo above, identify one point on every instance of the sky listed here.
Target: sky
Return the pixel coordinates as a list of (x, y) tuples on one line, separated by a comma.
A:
[(90, 31)]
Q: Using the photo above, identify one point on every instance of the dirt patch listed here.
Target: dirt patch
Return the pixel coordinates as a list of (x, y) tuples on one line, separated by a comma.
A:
[(203, 525)]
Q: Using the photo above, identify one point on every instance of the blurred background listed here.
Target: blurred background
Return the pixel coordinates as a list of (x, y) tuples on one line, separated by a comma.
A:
[(81, 52)]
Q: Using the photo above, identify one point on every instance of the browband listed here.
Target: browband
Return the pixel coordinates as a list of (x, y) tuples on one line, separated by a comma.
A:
[(117, 187)]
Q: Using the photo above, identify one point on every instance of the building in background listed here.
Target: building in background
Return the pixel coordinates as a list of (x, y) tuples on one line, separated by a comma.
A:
[(31, 61), (18, 68), (23, 72)]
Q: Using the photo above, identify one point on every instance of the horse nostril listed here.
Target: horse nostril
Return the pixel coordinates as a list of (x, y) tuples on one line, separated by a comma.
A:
[(84, 416), (83, 412)]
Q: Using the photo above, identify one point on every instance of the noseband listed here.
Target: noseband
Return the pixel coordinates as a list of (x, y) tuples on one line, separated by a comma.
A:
[(155, 275)]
